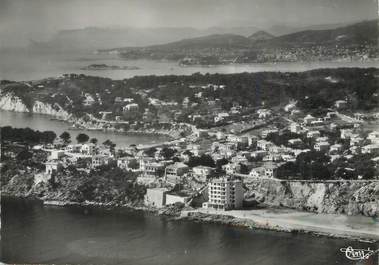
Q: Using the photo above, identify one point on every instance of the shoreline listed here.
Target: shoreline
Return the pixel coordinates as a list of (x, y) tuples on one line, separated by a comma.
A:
[(273, 222), (267, 219), (71, 123)]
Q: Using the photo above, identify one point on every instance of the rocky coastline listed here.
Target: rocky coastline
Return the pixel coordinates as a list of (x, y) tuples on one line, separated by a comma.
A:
[(181, 213), (55, 112)]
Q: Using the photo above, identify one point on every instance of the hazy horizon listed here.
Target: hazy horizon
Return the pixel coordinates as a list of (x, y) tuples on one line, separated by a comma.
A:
[(39, 20)]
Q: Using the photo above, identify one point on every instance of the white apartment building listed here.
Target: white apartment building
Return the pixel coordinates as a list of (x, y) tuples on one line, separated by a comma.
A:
[(225, 194), (130, 107)]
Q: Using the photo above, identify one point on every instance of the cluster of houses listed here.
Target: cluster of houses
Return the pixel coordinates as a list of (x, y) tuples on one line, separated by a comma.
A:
[(239, 158)]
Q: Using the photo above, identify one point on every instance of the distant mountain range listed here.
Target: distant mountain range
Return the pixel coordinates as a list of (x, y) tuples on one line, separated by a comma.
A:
[(357, 34), (94, 38), (358, 40)]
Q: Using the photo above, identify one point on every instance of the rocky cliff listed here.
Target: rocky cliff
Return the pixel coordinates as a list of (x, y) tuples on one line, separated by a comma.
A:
[(11, 102), (48, 109), (345, 197)]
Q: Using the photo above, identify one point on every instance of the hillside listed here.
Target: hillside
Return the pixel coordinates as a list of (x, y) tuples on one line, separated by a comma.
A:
[(231, 41), (353, 35), (357, 41), (67, 95), (97, 38)]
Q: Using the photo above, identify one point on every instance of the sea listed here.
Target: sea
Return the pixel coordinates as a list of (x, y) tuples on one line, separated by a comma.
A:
[(26, 66), (37, 234), (47, 123)]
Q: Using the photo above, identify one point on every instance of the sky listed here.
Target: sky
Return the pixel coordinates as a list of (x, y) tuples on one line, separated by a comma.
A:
[(22, 20)]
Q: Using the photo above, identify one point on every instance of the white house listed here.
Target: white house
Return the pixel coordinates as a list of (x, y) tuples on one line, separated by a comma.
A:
[(373, 137), (340, 104), (295, 127), (370, 149), (221, 116), (264, 145), (346, 133), (313, 134), (156, 197), (130, 107), (257, 172), (308, 119), (174, 172), (99, 160), (322, 146), (56, 154), (88, 149), (264, 113), (123, 162), (336, 148), (202, 172), (52, 166)]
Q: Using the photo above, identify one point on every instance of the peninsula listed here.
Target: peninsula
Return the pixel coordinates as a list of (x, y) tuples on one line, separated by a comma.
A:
[(99, 67)]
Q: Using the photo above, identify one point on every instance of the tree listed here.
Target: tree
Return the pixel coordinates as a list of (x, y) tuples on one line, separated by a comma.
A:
[(167, 153), (204, 160), (93, 141), (133, 164), (82, 138), (48, 136), (24, 155), (110, 145), (65, 136), (244, 169), (221, 162), (151, 151)]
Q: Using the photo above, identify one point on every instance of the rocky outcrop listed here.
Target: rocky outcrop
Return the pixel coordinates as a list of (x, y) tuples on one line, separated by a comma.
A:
[(48, 109), (11, 102), (345, 197)]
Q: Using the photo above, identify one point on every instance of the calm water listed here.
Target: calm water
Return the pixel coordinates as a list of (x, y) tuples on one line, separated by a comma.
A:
[(43, 123), (25, 66), (32, 233)]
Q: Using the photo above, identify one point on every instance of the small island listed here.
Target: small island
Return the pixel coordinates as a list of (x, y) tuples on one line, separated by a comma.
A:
[(108, 67)]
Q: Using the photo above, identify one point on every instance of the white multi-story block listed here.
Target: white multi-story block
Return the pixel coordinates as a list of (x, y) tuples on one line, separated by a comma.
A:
[(225, 194)]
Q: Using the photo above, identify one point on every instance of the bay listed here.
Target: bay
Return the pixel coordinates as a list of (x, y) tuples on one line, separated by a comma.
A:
[(44, 123), (32, 233), (25, 66)]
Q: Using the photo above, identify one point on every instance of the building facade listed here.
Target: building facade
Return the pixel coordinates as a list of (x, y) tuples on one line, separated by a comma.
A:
[(225, 194)]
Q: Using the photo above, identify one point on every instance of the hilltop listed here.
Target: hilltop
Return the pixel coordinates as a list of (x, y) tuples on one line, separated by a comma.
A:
[(261, 35)]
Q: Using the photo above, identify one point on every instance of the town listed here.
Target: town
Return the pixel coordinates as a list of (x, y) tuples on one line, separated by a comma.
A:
[(217, 153)]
